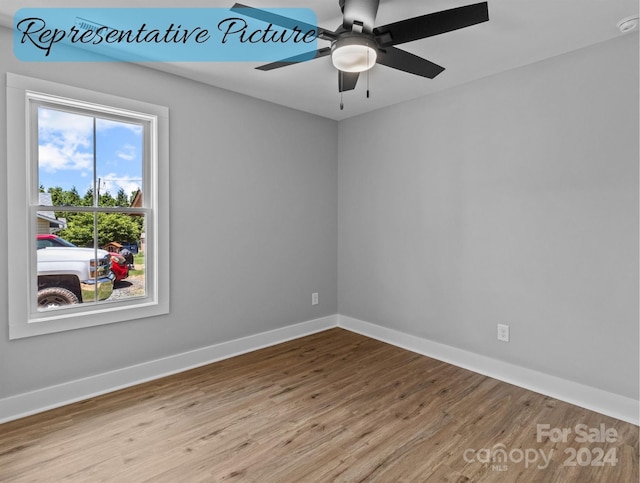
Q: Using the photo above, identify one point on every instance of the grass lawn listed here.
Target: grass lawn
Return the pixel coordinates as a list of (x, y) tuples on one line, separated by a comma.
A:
[(138, 262)]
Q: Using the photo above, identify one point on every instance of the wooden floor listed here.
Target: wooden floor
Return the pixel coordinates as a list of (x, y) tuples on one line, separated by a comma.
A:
[(334, 406)]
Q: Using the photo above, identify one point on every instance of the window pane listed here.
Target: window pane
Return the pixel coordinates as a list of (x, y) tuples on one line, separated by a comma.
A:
[(78, 265), (66, 163), (119, 152), (129, 262), (65, 156), (70, 270)]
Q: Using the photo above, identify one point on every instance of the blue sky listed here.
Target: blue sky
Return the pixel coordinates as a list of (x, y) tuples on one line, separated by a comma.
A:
[(65, 146)]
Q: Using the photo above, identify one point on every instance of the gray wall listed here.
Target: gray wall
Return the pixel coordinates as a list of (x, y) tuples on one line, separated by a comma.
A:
[(253, 225), (513, 199)]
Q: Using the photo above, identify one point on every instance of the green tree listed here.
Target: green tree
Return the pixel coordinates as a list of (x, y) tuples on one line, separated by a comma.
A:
[(57, 196), (111, 227), (72, 197), (117, 227), (87, 200), (121, 198), (107, 200), (79, 229)]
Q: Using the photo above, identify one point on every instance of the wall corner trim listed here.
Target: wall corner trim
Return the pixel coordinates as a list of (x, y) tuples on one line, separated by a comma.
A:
[(26, 404), (598, 400)]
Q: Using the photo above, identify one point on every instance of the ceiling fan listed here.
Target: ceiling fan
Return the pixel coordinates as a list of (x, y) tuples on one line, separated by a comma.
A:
[(357, 45)]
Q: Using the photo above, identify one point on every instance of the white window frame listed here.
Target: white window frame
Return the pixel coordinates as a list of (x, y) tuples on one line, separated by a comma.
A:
[(24, 318)]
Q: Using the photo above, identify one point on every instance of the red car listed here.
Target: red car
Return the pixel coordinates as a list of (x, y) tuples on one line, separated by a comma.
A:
[(119, 265)]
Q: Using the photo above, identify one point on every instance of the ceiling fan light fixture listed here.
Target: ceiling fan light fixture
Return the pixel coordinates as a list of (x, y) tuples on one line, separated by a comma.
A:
[(353, 54)]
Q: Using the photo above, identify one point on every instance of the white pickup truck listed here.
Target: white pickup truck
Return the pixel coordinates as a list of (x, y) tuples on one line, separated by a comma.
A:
[(71, 275)]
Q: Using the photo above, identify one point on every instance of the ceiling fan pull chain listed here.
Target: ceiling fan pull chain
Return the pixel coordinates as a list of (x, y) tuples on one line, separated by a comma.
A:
[(368, 74), (340, 84)]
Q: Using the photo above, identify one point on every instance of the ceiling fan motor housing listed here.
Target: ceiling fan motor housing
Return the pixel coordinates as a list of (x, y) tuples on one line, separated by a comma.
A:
[(354, 52)]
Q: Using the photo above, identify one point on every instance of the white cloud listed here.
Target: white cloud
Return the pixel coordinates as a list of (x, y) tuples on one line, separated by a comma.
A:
[(65, 141), (127, 152), (112, 183), (105, 124), (53, 157)]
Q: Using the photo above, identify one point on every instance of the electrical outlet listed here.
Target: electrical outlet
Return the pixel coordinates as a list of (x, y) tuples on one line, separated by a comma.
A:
[(503, 332), (314, 298)]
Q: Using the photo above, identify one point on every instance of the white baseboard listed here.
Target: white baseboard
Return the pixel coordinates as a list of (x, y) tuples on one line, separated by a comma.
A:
[(614, 405), (591, 398), (25, 404)]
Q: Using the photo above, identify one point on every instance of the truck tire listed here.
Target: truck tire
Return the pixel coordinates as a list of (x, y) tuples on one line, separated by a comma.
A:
[(52, 297)]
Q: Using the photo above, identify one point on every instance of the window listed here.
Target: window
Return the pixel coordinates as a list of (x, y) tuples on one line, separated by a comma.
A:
[(88, 208)]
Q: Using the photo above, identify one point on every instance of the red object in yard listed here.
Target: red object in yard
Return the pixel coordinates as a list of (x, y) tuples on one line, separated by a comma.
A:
[(119, 266)]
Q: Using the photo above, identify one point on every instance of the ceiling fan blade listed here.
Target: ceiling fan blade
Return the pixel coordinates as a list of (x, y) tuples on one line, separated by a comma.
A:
[(347, 80), (408, 62), (280, 20), (362, 11), (431, 24), (296, 59)]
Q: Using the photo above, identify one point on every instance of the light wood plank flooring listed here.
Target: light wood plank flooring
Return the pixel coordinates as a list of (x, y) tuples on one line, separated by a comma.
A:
[(334, 406)]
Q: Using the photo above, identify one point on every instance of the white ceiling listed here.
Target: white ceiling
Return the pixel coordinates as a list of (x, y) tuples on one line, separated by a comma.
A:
[(519, 32)]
